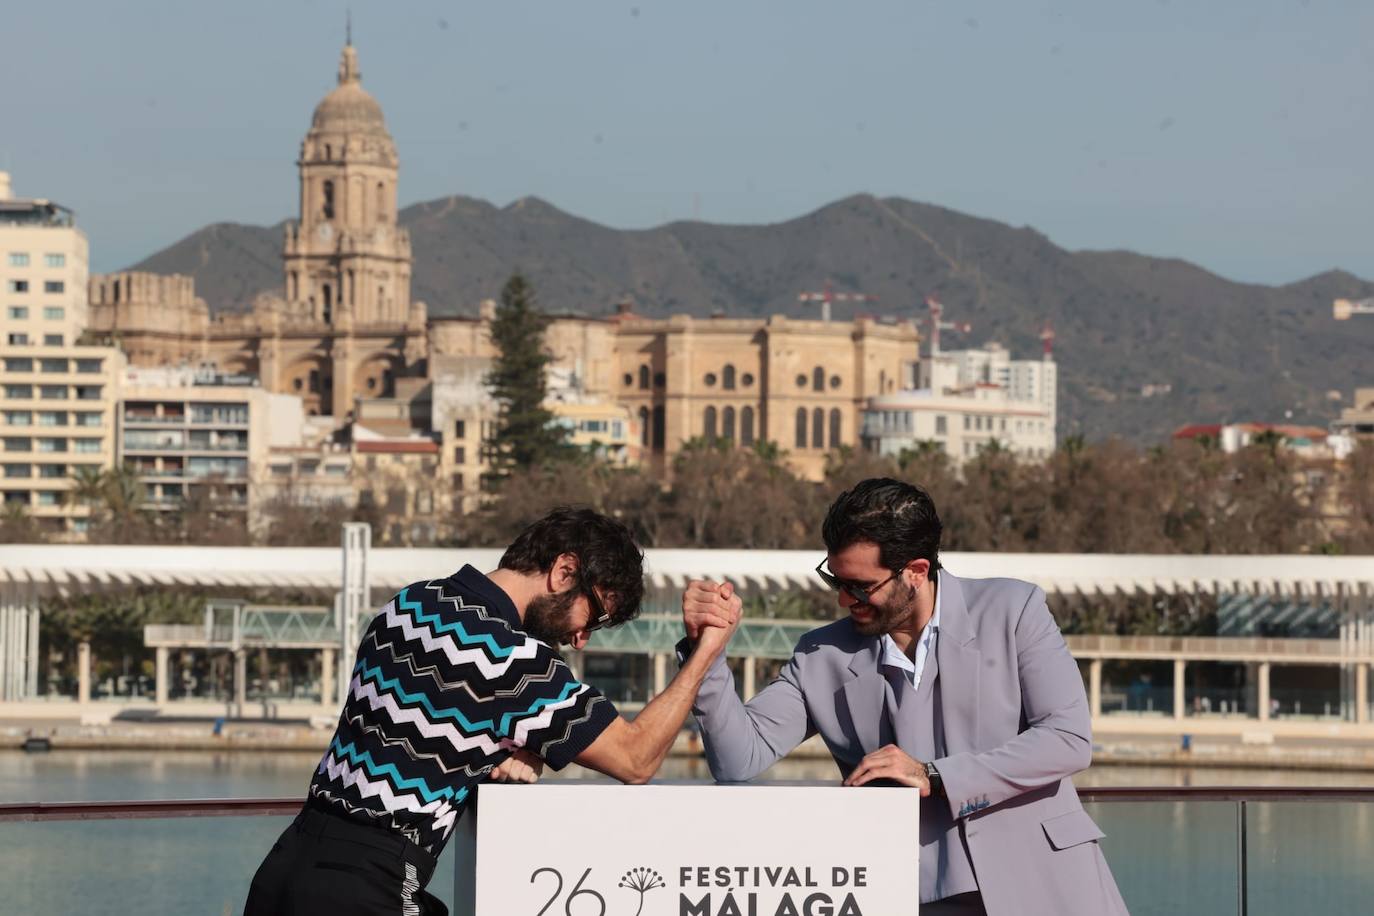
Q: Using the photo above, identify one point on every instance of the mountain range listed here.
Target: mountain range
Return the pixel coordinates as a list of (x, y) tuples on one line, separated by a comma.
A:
[(1127, 326)]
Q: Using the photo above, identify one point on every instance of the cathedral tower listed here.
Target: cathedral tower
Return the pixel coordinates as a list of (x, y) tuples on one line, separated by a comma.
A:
[(347, 264)]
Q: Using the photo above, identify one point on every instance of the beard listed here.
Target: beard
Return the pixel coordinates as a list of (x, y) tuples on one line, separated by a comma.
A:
[(892, 614), (548, 618)]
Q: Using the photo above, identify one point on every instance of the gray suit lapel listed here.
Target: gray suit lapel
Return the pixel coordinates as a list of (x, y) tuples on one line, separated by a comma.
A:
[(960, 664), (864, 698)]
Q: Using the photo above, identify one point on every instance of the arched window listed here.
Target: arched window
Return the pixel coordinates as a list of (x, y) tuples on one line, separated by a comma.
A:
[(644, 377), (746, 426), (835, 427), (644, 426), (381, 202), (818, 428), (818, 379), (801, 427), (728, 378), (328, 200), (314, 381), (660, 427), (727, 423), (328, 302), (710, 427)]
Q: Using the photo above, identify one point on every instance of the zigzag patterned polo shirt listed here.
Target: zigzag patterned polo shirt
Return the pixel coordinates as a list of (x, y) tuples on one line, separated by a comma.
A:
[(445, 687)]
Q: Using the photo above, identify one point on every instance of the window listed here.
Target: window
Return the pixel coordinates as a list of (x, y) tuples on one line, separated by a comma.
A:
[(86, 446), (54, 312), (710, 423), (834, 381), (818, 428), (660, 427), (18, 364), (19, 312), (328, 200), (55, 260), (52, 418), (47, 498), (18, 444), (629, 380), (460, 429), (53, 392), (89, 366), (54, 286), (941, 427), (801, 426), (460, 455), (19, 259), (18, 418), (835, 423), (728, 423), (746, 426), (18, 286), (968, 422), (87, 418), (52, 340), (18, 471), (801, 380), (19, 392), (710, 379), (52, 471), (644, 378), (818, 379), (746, 380), (728, 378), (51, 445), (53, 365), (381, 202), (19, 340), (644, 426)]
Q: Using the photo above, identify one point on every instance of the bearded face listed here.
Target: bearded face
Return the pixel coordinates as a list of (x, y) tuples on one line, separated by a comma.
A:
[(894, 611), (548, 618)]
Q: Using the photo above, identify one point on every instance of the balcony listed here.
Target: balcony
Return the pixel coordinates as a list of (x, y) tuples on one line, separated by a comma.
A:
[(151, 419)]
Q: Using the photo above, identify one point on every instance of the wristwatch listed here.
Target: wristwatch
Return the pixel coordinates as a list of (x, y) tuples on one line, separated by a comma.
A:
[(937, 784)]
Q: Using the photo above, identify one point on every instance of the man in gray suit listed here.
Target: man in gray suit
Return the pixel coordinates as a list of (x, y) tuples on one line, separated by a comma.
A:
[(960, 688)]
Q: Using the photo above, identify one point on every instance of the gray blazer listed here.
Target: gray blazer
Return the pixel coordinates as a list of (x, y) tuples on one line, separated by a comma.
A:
[(1016, 726)]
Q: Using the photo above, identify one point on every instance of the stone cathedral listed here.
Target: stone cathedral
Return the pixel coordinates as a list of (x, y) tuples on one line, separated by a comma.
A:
[(343, 326)]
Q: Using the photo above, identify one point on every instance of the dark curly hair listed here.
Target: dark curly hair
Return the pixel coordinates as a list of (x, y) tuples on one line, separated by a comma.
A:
[(607, 556), (899, 517)]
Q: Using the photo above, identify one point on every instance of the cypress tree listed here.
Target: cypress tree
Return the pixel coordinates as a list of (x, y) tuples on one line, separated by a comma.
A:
[(526, 433)]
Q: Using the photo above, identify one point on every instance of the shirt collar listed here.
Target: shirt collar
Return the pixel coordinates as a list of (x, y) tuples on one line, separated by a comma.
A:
[(474, 583), (896, 657)]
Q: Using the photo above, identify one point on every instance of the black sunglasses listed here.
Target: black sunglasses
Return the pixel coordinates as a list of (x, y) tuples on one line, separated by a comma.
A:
[(599, 617), (860, 593)]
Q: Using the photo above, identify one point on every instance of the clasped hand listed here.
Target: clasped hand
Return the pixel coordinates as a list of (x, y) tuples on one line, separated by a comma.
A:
[(710, 612)]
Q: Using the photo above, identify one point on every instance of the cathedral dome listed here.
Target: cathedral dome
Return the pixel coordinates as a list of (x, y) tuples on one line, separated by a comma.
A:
[(349, 108)]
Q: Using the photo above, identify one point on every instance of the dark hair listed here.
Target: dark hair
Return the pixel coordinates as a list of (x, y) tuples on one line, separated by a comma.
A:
[(899, 517), (607, 556)]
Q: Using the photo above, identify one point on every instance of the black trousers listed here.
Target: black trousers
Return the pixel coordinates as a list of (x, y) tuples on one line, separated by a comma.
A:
[(327, 864)]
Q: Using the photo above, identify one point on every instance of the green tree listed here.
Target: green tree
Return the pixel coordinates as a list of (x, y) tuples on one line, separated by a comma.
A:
[(527, 435)]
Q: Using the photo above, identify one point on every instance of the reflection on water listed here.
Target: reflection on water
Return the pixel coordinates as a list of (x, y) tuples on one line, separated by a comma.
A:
[(1167, 857)]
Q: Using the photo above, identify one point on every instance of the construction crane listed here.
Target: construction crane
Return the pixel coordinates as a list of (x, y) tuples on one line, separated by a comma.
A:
[(828, 295), (1344, 309), (938, 324), (1047, 341)]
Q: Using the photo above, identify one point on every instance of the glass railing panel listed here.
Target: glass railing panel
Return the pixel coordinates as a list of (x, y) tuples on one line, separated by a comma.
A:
[(1171, 857), (175, 866), (1310, 857)]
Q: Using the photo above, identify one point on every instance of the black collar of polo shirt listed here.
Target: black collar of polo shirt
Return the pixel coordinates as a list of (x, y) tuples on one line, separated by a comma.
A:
[(474, 583)]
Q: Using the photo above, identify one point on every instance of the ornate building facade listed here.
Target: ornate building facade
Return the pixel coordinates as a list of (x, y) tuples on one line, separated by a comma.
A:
[(343, 325)]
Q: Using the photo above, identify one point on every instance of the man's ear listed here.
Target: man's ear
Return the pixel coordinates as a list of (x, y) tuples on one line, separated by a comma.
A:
[(920, 569), (563, 574)]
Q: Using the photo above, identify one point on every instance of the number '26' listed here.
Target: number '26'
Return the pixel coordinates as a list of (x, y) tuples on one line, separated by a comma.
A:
[(577, 891)]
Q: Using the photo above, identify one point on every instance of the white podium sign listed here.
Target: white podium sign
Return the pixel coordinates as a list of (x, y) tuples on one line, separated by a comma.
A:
[(569, 849)]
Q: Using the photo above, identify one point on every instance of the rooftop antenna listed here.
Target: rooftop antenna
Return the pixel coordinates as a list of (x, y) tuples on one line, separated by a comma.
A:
[(348, 26)]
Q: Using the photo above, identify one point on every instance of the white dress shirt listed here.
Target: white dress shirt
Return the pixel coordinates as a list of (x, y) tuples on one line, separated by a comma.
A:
[(925, 644)]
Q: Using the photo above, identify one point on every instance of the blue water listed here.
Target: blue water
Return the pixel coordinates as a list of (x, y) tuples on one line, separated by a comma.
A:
[(1168, 858)]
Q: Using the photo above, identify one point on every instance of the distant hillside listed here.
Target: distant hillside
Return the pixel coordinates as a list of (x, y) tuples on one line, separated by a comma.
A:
[(1231, 351)]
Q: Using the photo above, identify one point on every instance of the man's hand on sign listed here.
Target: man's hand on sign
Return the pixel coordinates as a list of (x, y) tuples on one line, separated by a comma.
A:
[(521, 766), (708, 604), (892, 763)]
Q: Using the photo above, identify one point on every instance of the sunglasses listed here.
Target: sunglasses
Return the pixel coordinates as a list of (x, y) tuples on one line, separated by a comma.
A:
[(599, 616), (860, 593)]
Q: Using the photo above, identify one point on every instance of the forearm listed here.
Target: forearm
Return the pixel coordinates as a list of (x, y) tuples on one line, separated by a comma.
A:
[(1043, 754), (656, 727)]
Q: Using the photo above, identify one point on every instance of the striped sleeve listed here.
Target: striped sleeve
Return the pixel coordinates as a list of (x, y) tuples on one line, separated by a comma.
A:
[(565, 715)]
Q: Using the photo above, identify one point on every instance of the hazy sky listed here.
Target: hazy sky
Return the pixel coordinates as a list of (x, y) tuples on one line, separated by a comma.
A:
[(1235, 133)]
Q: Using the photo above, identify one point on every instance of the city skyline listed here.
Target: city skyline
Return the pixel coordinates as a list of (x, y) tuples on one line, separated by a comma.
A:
[(1224, 159)]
